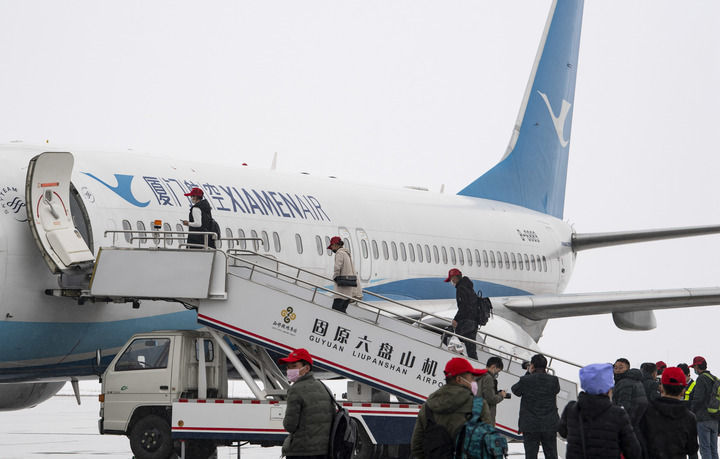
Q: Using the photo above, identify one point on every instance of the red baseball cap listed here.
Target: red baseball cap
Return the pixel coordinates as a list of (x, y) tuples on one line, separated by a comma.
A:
[(697, 361), (453, 272), (458, 365), (195, 192), (334, 240), (296, 356), (673, 376), (660, 365)]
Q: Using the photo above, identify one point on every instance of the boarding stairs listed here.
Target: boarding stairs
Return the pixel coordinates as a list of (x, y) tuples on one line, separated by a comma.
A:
[(279, 307)]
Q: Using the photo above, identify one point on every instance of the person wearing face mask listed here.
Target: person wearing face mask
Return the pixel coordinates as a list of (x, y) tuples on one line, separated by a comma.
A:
[(309, 411), (489, 386), (449, 407), (539, 417)]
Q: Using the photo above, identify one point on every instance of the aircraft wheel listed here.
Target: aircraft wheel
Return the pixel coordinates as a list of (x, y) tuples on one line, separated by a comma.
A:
[(150, 438)]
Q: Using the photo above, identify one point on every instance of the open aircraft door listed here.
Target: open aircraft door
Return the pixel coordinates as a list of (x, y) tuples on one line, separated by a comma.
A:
[(47, 194)]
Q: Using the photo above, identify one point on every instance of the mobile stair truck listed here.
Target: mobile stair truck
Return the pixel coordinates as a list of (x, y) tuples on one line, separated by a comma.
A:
[(168, 391)]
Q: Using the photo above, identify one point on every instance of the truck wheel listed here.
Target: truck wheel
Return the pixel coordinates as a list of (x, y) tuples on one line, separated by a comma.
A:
[(150, 438)]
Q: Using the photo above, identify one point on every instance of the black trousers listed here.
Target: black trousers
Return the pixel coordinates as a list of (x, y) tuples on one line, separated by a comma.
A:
[(340, 304), (532, 441), (468, 329)]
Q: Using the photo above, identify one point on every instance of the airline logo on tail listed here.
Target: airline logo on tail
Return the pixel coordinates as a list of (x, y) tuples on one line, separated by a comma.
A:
[(558, 121)]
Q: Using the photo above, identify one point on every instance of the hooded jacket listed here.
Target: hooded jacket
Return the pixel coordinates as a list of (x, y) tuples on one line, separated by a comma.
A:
[(606, 428), (669, 429), (308, 418), (452, 407), (630, 394), (651, 386)]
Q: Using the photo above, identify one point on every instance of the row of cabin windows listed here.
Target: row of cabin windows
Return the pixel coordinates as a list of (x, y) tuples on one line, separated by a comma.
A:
[(402, 251)]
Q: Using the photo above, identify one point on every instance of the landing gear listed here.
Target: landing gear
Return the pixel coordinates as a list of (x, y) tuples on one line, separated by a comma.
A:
[(150, 438)]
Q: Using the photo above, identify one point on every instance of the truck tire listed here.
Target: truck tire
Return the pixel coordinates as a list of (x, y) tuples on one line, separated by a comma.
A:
[(150, 438)]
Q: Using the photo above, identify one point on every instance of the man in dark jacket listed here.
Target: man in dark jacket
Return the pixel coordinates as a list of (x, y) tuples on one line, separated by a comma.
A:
[(669, 428), (199, 220), (689, 382), (538, 409), (649, 380), (465, 321), (707, 424), (451, 407), (630, 393), (309, 412), (593, 426)]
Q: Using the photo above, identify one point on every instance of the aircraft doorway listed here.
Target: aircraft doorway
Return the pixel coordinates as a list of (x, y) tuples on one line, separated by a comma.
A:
[(363, 256)]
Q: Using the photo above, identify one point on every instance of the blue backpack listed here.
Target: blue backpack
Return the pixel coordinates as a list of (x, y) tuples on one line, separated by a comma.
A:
[(478, 440)]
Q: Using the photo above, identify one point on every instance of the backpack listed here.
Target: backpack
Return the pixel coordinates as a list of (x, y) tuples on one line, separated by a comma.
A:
[(437, 442), (713, 406), (484, 308), (343, 433), (215, 227), (478, 440)]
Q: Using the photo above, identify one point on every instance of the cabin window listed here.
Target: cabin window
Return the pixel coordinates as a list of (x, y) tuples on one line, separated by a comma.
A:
[(265, 240), (499, 259), (436, 254), (514, 261), (364, 248), (486, 261), (411, 248), (492, 259), (461, 256), (507, 260), (469, 257), (453, 258), (155, 236), (319, 245), (427, 254), (346, 244), (544, 261), (394, 250), (477, 257), (298, 244), (532, 261), (419, 253), (141, 234), (527, 262), (241, 235), (229, 235), (385, 250), (327, 245), (376, 252), (276, 241), (256, 243), (403, 252), (520, 262), (127, 227), (167, 237), (444, 255)]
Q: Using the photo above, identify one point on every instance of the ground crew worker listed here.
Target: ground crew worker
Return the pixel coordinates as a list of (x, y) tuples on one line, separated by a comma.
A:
[(689, 382), (309, 411), (465, 321), (488, 386), (450, 407), (200, 219)]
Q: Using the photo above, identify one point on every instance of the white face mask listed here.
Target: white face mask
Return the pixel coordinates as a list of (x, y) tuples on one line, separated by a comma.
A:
[(293, 374)]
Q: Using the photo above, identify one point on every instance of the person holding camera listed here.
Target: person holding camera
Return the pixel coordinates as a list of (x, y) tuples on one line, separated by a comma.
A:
[(489, 386), (539, 418)]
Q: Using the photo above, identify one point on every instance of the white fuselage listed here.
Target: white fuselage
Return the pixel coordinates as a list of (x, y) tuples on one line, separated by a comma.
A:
[(506, 250)]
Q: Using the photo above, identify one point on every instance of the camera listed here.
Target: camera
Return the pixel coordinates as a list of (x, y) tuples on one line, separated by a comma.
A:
[(508, 395)]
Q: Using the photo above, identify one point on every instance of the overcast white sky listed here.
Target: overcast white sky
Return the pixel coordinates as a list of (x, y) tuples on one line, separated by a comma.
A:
[(410, 93)]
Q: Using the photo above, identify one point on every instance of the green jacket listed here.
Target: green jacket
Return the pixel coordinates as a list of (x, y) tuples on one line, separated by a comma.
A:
[(308, 418), (488, 391), (452, 407)]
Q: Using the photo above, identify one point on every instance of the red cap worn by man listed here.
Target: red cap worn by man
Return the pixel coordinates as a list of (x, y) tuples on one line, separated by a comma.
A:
[(452, 273), (334, 240), (195, 192)]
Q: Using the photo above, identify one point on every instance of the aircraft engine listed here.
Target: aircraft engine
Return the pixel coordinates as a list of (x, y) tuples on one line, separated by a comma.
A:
[(17, 396)]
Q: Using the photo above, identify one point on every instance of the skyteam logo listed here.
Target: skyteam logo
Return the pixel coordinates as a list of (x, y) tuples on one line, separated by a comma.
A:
[(558, 121), (122, 189)]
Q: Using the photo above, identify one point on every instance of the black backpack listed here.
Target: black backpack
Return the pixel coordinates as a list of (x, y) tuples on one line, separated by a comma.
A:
[(215, 227), (484, 308), (343, 433), (437, 442)]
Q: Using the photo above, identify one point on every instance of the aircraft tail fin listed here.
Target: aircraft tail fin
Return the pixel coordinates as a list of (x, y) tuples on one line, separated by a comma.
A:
[(533, 171)]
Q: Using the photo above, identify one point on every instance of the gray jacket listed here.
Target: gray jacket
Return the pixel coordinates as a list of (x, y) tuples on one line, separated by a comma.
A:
[(308, 418)]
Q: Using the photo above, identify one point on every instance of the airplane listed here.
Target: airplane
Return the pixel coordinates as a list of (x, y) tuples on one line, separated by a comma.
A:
[(505, 231)]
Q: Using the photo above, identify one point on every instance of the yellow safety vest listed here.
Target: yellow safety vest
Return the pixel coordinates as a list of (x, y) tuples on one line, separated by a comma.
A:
[(689, 390)]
